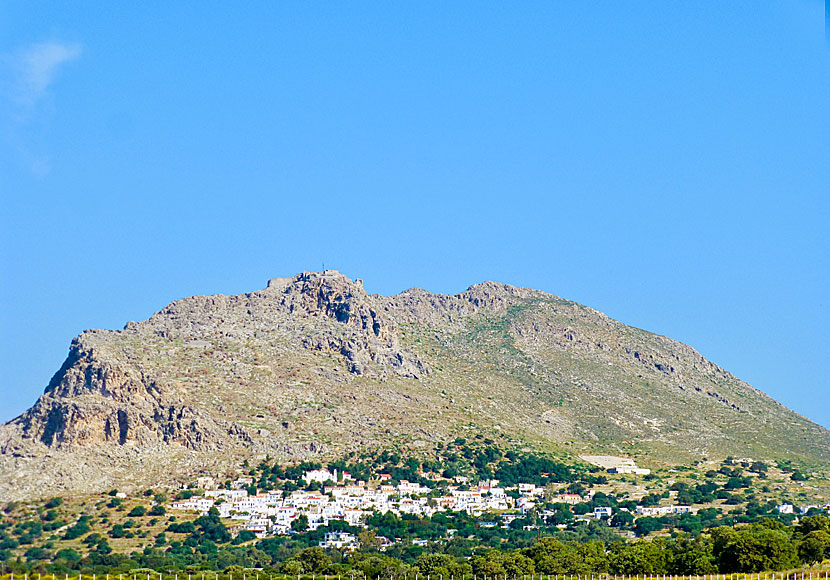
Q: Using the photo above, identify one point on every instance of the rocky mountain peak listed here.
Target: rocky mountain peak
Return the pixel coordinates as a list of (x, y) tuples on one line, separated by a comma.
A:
[(366, 334), (493, 295), (306, 280), (332, 294)]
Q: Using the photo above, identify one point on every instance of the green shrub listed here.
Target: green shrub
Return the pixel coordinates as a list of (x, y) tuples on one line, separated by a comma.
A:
[(54, 502), (137, 512), (78, 530)]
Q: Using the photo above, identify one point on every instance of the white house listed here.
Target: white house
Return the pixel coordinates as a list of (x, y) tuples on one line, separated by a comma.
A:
[(602, 512), (259, 526), (629, 469), (339, 540), (663, 510), (320, 475)]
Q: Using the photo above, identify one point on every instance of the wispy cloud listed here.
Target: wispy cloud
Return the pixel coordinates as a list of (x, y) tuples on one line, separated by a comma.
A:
[(26, 76), (35, 67)]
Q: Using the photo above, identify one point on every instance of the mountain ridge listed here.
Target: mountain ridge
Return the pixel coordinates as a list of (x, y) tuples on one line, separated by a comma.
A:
[(313, 366)]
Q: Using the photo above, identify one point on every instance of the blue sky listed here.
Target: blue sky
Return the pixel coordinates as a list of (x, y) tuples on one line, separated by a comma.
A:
[(665, 162)]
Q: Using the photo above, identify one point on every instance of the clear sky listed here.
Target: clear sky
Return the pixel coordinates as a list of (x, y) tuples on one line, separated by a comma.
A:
[(665, 162)]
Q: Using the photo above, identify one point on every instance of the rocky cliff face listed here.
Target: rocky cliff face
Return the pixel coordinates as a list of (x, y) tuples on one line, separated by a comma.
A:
[(313, 366)]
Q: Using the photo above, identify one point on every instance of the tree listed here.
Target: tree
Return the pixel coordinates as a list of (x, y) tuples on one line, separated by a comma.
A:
[(647, 524), (117, 531), (576, 488), (103, 547), (442, 565), (92, 539), (210, 527), (758, 467), (563, 514), (755, 548), (500, 563), (621, 519), (292, 567), (244, 536), (813, 523), (738, 482), (54, 502), (550, 556), (367, 540), (639, 557), (313, 560), (157, 510), (69, 555), (34, 554), (137, 512), (815, 547), (78, 530), (693, 555), (379, 566), (300, 524), (582, 509)]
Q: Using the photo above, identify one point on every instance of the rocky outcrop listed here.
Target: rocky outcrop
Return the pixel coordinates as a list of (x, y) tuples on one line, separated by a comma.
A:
[(92, 401), (369, 343), (494, 297), (348, 322), (333, 295)]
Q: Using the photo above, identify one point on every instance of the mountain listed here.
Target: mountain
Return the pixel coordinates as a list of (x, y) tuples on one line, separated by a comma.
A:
[(313, 367)]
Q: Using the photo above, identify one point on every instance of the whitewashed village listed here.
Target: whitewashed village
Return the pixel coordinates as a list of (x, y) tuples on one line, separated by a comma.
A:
[(343, 498)]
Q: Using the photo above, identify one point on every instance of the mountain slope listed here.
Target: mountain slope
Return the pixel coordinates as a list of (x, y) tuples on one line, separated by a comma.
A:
[(313, 366)]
